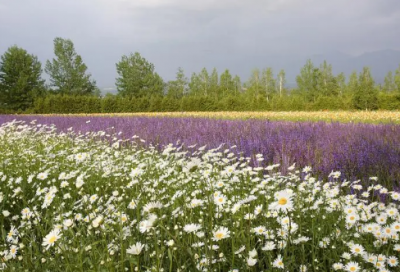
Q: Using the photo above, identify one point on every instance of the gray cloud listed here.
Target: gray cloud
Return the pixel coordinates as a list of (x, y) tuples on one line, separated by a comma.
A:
[(234, 34)]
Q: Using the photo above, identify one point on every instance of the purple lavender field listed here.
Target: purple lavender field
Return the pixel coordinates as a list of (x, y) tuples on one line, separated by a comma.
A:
[(357, 150)]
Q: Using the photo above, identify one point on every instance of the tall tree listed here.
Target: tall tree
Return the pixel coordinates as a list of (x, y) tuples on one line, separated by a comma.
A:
[(204, 82), (214, 84), (268, 82), (254, 85), (366, 96), (389, 83), (307, 81), (352, 86), (341, 83), (281, 81), (68, 74), (397, 78), (20, 79), (327, 83), (237, 85), (195, 85), (227, 84), (178, 87), (137, 77)]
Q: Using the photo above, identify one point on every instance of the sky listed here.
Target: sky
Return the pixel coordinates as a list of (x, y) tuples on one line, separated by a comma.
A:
[(235, 34)]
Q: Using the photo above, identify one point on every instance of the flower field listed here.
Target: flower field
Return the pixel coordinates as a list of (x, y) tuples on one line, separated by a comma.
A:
[(163, 194), (374, 117), (357, 150)]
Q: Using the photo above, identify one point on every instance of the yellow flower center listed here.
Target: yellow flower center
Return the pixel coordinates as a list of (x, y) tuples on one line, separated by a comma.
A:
[(52, 239), (352, 268), (282, 201), (219, 235), (357, 250)]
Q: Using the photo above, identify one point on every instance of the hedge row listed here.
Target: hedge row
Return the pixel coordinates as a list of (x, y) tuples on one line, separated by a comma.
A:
[(111, 104)]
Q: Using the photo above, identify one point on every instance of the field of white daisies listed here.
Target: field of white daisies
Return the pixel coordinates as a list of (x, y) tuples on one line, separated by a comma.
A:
[(91, 202)]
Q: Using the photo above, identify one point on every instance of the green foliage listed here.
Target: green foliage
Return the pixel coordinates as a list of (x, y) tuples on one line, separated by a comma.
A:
[(397, 79), (20, 80), (178, 87), (388, 101), (366, 95), (68, 72), (268, 83), (389, 84), (136, 77), (307, 81)]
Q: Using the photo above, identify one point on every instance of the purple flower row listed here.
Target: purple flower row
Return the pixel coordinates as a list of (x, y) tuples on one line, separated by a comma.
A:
[(357, 150)]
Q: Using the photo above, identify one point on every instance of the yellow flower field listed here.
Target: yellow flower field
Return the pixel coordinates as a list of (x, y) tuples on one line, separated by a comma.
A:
[(327, 116)]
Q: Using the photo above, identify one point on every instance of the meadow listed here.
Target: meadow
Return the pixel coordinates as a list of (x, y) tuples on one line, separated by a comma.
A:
[(95, 193)]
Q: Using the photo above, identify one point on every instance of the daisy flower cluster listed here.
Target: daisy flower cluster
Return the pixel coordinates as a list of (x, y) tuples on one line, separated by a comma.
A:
[(94, 202)]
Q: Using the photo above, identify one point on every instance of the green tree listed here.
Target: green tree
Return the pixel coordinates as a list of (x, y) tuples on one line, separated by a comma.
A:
[(237, 85), (254, 85), (214, 84), (352, 85), (366, 95), (389, 83), (137, 77), (178, 87), (281, 81), (397, 79), (268, 82), (195, 85), (227, 84), (204, 79), (327, 83), (341, 83), (20, 79), (307, 81), (68, 74)]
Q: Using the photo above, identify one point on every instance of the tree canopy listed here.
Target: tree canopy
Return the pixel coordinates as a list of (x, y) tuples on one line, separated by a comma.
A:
[(136, 77), (68, 74), (20, 79)]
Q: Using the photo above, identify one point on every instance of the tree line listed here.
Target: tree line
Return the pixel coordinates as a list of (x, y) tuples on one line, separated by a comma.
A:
[(72, 89)]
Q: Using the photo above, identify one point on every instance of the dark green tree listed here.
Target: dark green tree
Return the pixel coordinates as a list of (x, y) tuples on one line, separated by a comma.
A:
[(137, 77), (366, 95), (20, 79), (68, 74)]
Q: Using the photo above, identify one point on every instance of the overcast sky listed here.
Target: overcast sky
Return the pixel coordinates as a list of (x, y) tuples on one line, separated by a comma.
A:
[(235, 34)]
